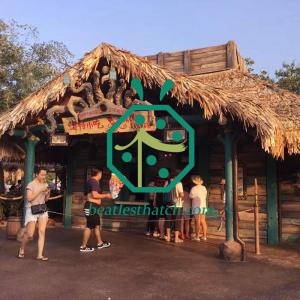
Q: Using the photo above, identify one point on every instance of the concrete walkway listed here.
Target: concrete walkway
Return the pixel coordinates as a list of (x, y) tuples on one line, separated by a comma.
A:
[(137, 267)]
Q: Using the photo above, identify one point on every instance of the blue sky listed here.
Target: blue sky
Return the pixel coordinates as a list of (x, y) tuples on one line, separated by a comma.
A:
[(265, 30)]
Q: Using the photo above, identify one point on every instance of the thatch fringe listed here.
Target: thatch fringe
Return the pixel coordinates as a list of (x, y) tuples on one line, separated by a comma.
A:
[(10, 151)]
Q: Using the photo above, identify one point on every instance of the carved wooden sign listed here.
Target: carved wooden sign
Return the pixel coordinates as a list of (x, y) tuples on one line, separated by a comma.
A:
[(101, 125), (101, 110)]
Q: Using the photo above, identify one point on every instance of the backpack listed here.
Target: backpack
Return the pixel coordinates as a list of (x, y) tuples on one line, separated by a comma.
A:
[(169, 199)]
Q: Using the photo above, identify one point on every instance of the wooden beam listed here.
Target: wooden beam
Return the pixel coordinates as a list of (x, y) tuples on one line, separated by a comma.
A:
[(18, 133), (232, 61), (196, 119), (160, 58), (187, 62)]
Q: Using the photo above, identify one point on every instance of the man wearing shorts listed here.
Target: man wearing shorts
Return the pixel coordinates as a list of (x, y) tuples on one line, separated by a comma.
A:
[(92, 204)]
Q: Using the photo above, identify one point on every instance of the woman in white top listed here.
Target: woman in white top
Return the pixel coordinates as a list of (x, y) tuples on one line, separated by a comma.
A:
[(198, 195)]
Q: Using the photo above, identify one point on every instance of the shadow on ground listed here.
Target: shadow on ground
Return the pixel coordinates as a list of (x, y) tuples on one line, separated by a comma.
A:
[(137, 267)]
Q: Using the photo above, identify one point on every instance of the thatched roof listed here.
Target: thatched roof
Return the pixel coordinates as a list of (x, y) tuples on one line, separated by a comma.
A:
[(284, 105), (214, 101), (10, 151)]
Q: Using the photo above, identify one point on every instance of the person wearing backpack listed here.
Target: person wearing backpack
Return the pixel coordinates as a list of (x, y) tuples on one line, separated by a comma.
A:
[(174, 203)]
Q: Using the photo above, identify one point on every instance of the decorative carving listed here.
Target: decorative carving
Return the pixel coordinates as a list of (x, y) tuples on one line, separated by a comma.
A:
[(60, 109), (111, 91), (82, 105), (50, 114), (118, 95), (128, 97), (96, 87), (78, 86), (105, 76), (72, 103)]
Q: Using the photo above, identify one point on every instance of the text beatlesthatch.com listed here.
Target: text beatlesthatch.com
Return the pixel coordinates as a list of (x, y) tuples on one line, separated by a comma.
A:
[(143, 210)]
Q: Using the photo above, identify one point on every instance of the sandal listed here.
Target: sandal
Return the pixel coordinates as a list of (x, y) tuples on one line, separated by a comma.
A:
[(43, 258), (20, 255)]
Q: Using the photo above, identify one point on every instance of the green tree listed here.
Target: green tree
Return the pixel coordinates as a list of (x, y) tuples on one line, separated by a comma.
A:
[(263, 73), (288, 77), (25, 63)]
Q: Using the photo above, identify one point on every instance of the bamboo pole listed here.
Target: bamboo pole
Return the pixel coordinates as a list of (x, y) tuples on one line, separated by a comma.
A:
[(256, 220)]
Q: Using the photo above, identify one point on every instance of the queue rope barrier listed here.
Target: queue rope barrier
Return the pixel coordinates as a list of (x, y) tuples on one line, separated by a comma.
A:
[(20, 197), (80, 216), (123, 220)]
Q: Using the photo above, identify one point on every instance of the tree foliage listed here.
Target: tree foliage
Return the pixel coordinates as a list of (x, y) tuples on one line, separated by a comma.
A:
[(287, 77), (25, 63)]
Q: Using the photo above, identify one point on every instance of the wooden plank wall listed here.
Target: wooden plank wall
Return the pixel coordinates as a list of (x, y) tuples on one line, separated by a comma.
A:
[(83, 156), (199, 61), (289, 198), (252, 160)]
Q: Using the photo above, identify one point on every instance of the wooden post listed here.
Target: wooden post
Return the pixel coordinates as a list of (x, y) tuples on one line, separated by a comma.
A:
[(68, 195), (30, 144), (228, 141), (256, 220), (160, 58), (232, 62), (272, 201), (187, 62)]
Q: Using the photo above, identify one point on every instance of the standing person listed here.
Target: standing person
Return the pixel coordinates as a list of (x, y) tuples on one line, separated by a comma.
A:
[(151, 224), (186, 213), (94, 197), (198, 195), (174, 209), (158, 199), (37, 193)]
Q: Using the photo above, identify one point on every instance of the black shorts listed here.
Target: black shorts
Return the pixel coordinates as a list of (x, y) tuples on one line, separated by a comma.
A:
[(173, 216), (91, 214)]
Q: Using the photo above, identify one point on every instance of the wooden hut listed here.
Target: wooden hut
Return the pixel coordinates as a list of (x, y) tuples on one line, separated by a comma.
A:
[(212, 91)]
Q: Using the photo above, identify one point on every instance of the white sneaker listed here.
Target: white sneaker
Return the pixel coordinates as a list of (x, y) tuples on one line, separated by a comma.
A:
[(86, 249)]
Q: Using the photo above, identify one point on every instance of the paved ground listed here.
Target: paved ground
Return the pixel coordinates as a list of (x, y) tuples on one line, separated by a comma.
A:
[(137, 267)]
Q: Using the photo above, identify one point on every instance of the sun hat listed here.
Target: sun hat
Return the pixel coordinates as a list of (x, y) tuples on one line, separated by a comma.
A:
[(196, 179)]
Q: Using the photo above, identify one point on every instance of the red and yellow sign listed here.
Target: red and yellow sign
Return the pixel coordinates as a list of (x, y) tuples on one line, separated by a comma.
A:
[(102, 124)]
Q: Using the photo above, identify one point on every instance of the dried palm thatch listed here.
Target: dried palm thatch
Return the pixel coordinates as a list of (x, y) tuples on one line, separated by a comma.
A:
[(214, 100), (10, 151), (283, 105)]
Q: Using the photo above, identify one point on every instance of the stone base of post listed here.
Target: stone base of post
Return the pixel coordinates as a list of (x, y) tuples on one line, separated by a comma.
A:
[(230, 251)]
